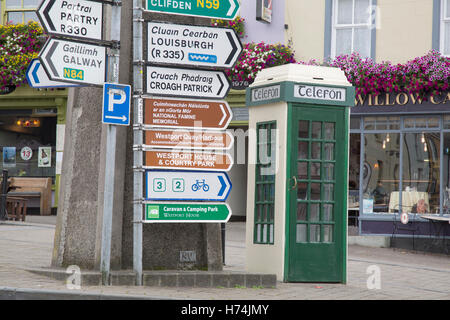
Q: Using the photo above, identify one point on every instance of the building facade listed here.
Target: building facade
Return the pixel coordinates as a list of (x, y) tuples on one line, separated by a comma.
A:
[(32, 121), (399, 148)]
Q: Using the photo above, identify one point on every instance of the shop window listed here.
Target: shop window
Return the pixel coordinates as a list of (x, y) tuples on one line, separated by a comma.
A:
[(446, 173), (352, 27), (421, 173), (355, 123), (27, 145), (421, 122), (21, 11), (265, 183), (382, 123), (447, 122), (381, 172)]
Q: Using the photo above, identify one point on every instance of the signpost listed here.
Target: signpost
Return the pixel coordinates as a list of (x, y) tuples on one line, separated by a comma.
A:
[(74, 18), (183, 139), (38, 78), (187, 82), (223, 9), (75, 62), (186, 212), (207, 161), (177, 113), (199, 177), (187, 185), (192, 45)]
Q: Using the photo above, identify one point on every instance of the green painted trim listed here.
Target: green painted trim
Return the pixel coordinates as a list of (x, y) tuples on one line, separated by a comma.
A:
[(288, 196), (345, 195), (236, 98), (238, 124), (287, 95)]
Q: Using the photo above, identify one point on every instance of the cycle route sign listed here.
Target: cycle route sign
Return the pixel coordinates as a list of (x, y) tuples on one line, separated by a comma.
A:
[(187, 185)]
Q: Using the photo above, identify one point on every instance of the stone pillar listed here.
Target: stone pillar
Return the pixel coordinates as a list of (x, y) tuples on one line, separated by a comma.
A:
[(80, 211)]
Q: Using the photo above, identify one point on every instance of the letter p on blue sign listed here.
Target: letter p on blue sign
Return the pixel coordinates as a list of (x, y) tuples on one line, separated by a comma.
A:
[(116, 104)]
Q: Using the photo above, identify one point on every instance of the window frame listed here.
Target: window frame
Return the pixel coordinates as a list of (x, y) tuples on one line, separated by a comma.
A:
[(21, 9), (269, 222), (335, 26), (442, 21)]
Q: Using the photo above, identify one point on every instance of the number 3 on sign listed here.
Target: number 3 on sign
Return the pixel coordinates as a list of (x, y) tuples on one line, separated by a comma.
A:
[(215, 4)]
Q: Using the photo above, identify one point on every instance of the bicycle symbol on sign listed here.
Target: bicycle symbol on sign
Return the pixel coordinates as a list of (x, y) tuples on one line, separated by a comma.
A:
[(200, 185)]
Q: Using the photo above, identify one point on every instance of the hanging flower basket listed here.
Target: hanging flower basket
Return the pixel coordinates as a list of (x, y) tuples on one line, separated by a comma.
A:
[(238, 24), (19, 44)]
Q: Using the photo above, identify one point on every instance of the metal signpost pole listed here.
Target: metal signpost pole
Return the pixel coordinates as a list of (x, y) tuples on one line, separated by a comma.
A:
[(108, 200), (138, 106)]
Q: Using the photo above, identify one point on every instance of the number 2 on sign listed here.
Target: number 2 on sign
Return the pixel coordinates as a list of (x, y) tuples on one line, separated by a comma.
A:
[(215, 4)]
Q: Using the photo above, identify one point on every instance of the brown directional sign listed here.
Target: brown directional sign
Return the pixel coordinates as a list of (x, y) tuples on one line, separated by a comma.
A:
[(205, 161), (177, 113), (185, 139)]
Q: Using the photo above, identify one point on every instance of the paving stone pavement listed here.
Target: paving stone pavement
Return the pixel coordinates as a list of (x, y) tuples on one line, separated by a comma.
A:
[(404, 275)]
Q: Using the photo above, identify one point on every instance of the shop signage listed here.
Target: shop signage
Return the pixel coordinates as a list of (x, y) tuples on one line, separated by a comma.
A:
[(184, 139), (401, 102), (38, 78), (74, 18), (219, 9), (190, 83), (266, 93), (75, 62), (176, 113), (319, 93), (188, 160), (187, 185), (187, 212), (192, 45)]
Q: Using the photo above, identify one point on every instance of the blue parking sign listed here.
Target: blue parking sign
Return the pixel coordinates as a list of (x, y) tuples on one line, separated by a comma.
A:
[(116, 104)]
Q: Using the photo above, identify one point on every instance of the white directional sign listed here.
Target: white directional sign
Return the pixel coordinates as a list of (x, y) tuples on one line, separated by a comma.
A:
[(73, 18), (38, 78), (187, 82), (192, 45), (187, 185), (75, 62)]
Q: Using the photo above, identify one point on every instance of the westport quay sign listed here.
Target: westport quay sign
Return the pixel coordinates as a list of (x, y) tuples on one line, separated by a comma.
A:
[(401, 102)]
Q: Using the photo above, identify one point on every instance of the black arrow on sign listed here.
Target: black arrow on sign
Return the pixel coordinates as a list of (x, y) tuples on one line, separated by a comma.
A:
[(48, 58), (233, 52), (47, 15), (221, 85)]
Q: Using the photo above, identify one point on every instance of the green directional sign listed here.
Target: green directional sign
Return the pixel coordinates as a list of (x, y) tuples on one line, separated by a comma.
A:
[(187, 212), (219, 9)]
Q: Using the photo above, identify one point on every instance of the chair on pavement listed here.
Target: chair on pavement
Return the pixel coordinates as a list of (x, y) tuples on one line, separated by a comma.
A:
[(411, 227), (16, 208)]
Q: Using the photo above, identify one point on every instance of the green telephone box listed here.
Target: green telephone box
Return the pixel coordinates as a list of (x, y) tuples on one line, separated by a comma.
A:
[(298, 173)]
